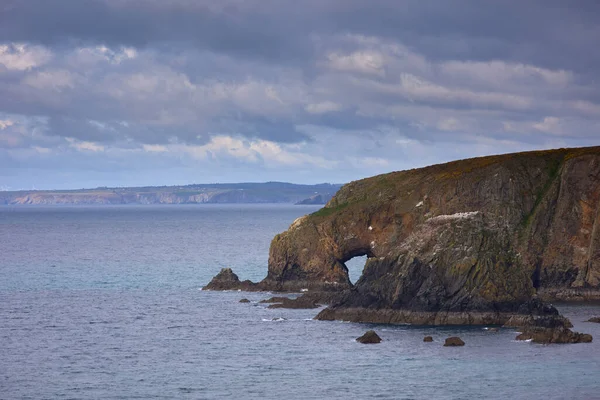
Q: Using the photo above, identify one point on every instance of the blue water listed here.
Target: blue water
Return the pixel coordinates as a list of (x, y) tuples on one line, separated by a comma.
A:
[(104, 302)]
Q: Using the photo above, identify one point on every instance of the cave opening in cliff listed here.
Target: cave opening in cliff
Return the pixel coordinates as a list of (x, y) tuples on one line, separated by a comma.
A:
[(355, 267)]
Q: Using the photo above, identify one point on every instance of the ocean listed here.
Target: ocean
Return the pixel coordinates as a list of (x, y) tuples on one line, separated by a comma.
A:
[(106, 303)]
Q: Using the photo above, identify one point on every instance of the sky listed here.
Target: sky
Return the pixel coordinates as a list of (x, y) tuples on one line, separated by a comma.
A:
[(171, 92)]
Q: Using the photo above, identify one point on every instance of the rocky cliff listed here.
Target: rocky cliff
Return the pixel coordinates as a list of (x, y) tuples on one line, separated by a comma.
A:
[(476, 239)]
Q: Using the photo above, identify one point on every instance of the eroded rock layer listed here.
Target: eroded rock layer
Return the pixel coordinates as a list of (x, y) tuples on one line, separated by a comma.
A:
[(479, 236)]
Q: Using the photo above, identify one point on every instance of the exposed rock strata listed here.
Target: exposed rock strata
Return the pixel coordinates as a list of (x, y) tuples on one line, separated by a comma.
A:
[(468, 242)]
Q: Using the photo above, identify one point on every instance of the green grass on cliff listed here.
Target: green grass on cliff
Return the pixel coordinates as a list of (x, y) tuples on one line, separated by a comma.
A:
[(327, 211)]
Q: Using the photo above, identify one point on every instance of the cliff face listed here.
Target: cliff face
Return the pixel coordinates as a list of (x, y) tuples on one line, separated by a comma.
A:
[(476, 235)]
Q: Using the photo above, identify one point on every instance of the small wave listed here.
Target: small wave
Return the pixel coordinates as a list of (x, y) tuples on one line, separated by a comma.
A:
[(278, 319)]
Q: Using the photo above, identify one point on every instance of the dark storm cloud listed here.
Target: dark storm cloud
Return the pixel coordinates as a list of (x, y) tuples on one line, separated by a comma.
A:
[(344, 87), (550, 33)]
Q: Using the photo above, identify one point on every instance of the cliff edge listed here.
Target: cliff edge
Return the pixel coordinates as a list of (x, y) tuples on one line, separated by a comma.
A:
[(468, 241)]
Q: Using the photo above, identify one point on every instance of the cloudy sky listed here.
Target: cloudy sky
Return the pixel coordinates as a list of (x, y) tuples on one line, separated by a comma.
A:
[(154, 92)]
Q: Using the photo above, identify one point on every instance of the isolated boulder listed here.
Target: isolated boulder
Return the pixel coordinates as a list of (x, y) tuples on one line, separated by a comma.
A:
[(369, 337), (454, 341), (244, 301), (428, 339)]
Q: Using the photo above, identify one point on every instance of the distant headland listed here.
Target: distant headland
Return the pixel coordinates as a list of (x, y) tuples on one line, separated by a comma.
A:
[(216, 193)]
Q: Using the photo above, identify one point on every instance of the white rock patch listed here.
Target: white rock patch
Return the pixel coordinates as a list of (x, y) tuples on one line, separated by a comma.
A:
[(457, 216)]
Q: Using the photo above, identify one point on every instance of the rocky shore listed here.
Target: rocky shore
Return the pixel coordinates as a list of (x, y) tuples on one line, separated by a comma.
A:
[(483, 241)]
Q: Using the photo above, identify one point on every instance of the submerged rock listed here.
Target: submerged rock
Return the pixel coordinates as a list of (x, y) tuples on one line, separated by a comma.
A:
[(369, 337), (454, 341), (244, 301), (428, 339), (594, 319), (493, 329)]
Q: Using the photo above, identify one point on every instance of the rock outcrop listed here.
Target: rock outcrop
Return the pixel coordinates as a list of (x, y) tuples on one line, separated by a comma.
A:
[(370, 337), (468, 242), (559, 335), (453, 341), (226, 279), (594, 319), (428, 339)]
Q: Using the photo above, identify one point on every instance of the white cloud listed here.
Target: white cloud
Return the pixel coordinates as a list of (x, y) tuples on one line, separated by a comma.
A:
[(549, 125), (5, 124), (84, 145), (253, 151), (503, 72), (155, 148), (322, 108), (366, 62), (50, 79), (449, 124), (20, 57)]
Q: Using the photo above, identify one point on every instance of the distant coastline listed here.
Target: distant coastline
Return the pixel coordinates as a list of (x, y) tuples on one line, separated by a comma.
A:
[(219, 193)]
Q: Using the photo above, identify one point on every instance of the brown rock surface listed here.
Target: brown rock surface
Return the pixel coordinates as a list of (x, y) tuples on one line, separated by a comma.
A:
[(369, 337), (226, 279), (470, 241), (553, 335), (454, 341), (428, 339)]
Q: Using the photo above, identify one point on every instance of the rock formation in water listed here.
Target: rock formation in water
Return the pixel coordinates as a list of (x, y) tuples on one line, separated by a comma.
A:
[(370, 337), (471, 241), (453, 341)]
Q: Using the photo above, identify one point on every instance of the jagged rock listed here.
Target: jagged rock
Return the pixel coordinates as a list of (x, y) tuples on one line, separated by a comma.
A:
[(226, 279), (369, 337), (553, 335), (594, 319), (454, 341), (244, 301), (428, 339)]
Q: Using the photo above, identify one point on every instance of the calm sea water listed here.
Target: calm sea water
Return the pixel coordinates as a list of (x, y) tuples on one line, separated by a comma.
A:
[(104, 303)]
